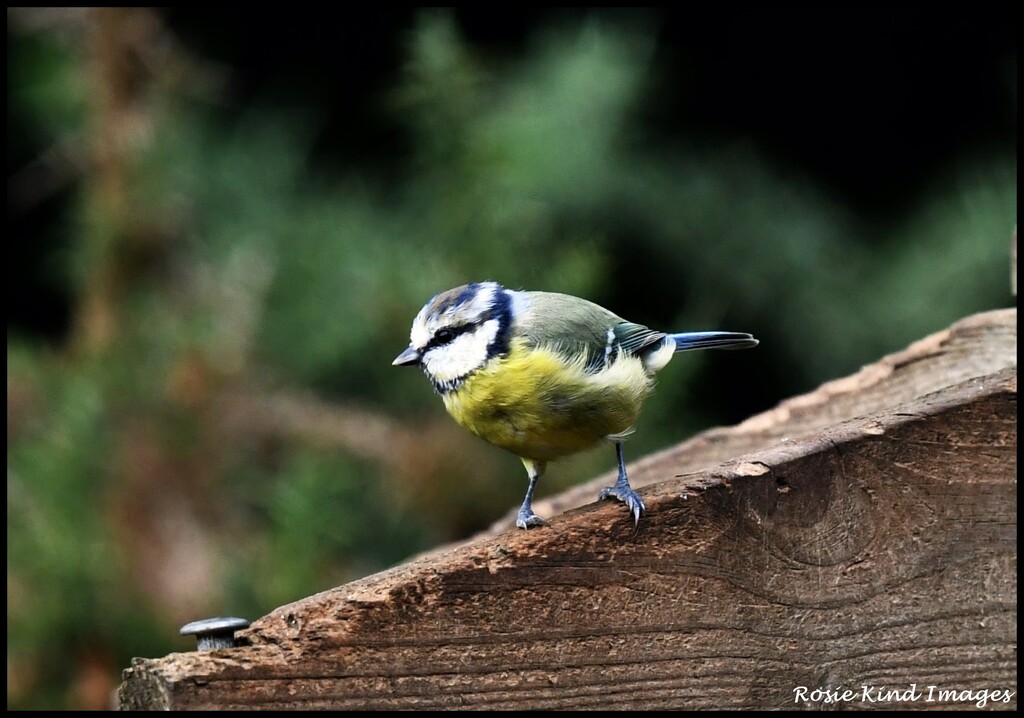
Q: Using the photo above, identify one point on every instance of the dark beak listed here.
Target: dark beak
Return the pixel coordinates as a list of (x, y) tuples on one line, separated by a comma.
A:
[(407, 358)]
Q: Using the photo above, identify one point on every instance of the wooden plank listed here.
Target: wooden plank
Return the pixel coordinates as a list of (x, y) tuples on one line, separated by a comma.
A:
[(862, 535)]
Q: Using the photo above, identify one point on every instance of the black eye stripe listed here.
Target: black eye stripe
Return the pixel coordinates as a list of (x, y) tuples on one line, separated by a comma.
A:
[(500, 310), (447, 335)]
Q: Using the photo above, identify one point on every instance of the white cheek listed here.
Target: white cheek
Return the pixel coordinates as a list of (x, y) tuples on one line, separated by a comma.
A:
[(457, 359)]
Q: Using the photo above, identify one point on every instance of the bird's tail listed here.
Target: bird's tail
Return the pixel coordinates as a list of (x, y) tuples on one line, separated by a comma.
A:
[(689, 341)]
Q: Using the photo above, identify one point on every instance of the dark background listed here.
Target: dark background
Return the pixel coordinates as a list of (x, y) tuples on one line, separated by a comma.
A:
[(791, 81)]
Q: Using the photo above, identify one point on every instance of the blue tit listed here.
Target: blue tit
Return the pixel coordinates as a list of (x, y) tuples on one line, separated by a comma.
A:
[(544, 375)]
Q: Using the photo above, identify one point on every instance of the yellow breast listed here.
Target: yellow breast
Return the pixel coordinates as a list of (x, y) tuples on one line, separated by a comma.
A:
[(534, 404)]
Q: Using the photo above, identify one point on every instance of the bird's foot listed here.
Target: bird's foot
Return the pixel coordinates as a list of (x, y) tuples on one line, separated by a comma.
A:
[(527, 519), (626, 495)]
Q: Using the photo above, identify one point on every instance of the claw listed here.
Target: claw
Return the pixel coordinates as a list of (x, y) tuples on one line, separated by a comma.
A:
[(623, 491), (627, 496), (528, 520)]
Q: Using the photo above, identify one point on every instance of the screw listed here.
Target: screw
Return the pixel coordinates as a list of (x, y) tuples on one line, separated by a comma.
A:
[(212, 633)]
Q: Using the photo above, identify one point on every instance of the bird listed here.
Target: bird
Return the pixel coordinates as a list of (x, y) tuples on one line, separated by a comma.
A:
[(545, 375)]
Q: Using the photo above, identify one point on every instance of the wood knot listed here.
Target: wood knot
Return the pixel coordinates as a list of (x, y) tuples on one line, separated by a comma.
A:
[(813, 513)]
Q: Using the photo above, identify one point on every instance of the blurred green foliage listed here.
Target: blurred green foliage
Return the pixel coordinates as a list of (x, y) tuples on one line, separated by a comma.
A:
[(137, 501)]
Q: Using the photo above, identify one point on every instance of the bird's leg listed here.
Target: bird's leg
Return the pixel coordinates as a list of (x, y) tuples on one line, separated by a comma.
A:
[(526, 518), (623, 491)]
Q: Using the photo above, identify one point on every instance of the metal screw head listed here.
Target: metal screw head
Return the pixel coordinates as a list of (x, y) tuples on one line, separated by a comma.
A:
[(214, 633)]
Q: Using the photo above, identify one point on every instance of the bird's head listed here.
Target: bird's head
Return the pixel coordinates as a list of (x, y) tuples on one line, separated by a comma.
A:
[(459, 331)]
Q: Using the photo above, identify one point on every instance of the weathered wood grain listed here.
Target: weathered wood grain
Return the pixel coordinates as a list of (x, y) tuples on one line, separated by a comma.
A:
[(864, 534)]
